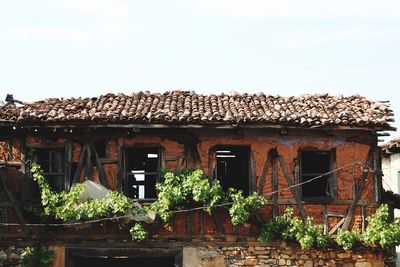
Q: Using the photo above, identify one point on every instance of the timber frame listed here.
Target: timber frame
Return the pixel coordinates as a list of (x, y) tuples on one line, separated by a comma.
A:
[(272, 166)]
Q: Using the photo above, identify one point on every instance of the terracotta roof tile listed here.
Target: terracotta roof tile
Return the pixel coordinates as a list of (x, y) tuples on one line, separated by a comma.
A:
[(183, 107)]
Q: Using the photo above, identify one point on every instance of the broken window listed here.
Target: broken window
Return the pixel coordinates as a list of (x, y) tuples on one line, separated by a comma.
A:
[(315, 163), (232, 168), (142, 165), (51, 160)]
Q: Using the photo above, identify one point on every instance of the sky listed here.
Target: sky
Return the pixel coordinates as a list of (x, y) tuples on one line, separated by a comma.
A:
[(65, 48)]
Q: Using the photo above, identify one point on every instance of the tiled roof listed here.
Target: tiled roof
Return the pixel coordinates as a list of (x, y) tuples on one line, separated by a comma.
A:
[(391, 146), (184, 107)]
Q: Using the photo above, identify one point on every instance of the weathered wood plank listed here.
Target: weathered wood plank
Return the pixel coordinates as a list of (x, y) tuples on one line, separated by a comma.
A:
[(120, 167), (359, 189), (333, 230), (80, 165), (102, 175), (13, 202), (88, 163), (325, 219), (68, 164), (263, 176), (289, 180), (275, 206)]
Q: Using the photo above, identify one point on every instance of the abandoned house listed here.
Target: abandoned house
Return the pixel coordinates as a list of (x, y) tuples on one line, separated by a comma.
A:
[(252, 142)]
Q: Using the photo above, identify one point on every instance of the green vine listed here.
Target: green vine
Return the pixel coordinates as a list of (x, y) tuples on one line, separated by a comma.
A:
[(67, 207), (379, 233), (138, 232), (348, 239), (190, 189), (287, 227), (38, 257)]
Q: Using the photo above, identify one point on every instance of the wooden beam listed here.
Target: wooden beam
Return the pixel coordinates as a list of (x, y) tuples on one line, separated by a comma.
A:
[(68, 164), (80, 165), (295, 193), (325, 219), (120, 167), (13, 202), (89, 162), (275, 207), (6, 163), (359, 189), (263, 176), (336, 226), (102, 175), (179, 164)]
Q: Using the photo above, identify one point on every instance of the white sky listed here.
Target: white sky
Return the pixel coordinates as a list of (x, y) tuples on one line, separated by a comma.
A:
[(64, 48)]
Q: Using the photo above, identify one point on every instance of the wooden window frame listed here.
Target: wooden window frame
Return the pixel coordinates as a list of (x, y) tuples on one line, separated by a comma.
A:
[(332, 180), (65, 183), (251, 167), (158, 173)]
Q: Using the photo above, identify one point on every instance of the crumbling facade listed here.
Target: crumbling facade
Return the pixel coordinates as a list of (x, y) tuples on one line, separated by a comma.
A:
[(256, 143)]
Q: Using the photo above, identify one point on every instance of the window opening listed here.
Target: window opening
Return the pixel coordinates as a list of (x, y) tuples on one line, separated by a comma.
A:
[(142, 167), (51, 161), (233, 167), (315, 163)]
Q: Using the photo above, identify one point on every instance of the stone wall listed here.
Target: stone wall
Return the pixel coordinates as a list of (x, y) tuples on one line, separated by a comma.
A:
[(10, 256), (279, 255)]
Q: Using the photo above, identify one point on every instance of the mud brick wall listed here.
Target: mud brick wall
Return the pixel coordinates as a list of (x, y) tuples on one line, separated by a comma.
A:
[(349, 146)]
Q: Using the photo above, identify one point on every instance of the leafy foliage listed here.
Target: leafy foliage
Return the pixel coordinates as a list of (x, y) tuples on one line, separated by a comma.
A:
[(287, 227), (138, 232), (189, 189), (67, 207), (185, 189), (380, 232), (243, 207), (39, 256), (347, 239)]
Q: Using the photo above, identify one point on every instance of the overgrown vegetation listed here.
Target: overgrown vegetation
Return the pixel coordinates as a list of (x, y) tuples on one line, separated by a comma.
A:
[(379, 233), (348, 239), (290, 228), (67, 207), (37, 257), (138, 232), (190, 189)]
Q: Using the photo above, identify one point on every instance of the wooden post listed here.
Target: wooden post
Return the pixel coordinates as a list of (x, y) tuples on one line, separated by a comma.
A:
[(102, 175), (89, 162), (359, 189), (13, 202), (68, 162), (120, 168), (275, 207), (80, 165), (263, 176), (295, 193)]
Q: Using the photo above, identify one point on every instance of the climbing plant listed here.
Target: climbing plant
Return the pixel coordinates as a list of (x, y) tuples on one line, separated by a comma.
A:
[(290, 228), (190, 189)]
